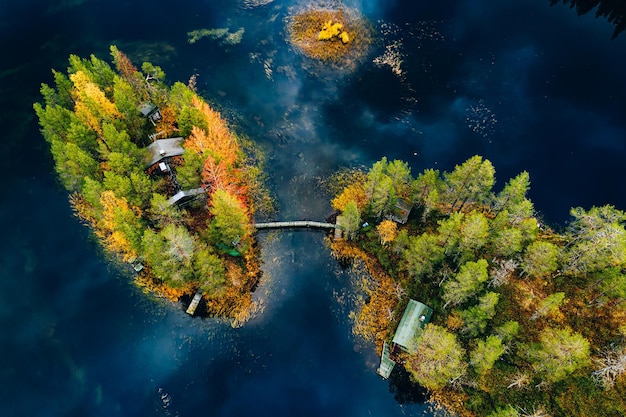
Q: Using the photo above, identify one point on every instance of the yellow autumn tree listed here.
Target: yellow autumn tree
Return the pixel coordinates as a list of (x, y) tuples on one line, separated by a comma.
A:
[(120, 226), (91, 104), (387, 231), (330, 30), (353, 192)]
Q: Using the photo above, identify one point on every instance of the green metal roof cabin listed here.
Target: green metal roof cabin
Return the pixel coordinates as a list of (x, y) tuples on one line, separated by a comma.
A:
[(416, 316)]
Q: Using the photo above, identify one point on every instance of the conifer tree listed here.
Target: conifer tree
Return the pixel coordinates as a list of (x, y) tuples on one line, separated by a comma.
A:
[(466, 283), (469, 182), (540, 259), (559, 353), (475, 318), (422, 254), (230, 224), (598, 239), (351, 219), (438, 358), (486, 353)]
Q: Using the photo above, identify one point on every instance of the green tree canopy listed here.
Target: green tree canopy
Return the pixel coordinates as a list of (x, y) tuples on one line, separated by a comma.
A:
[(507, 411), (466, 283), (209, 271), (379, 189), (439, 358), (230, 223), (513, 193), (475, 318), (73, 164), (549, 305), (469, 182), (422, 254), (540, 259), (559, 353), (473, 232), (486, 353), (170, 253), (351, 219), (426, 189), (599, 239)]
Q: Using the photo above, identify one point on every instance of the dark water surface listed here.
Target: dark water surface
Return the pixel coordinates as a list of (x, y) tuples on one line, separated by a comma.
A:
[(528, 86)]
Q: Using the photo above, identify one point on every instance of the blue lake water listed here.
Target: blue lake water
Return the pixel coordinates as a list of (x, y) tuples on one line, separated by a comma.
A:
[(529, 86)]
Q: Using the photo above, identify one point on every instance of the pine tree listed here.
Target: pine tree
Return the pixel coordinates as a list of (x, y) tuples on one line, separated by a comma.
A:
[(469, 182), (438, 358), (486, 353), (559, 353), (466, 283), (209, 271), (351, 219), (231, 223), (422, 254), (598, 239), (540, 259), (475, 318)]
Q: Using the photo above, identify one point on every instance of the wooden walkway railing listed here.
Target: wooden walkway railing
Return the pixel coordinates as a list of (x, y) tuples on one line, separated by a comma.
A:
[(299, 223), (277, 225)]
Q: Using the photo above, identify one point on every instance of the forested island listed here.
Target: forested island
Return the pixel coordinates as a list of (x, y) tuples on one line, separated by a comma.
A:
[(526, 321), (160, 178)]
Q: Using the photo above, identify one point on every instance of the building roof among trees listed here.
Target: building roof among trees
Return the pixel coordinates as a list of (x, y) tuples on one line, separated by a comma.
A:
[(184, 196), (147, 108), (164, 148), (400, 211), (415, 317)]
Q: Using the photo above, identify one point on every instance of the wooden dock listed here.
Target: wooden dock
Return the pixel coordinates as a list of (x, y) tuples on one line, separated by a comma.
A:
[(295, 224), (194, 303), (386, 363), (339, 228)]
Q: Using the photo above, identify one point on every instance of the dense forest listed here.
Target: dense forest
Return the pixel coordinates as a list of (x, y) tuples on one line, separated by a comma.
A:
[(526, 322), (613, 10), (159, 176)]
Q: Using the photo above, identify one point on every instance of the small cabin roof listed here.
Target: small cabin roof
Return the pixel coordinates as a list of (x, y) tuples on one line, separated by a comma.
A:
[(147, 108), (400, 211), (183, 196), (416, 316), (164, 148)]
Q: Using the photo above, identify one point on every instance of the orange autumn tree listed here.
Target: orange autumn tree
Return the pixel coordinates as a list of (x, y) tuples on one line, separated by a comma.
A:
[(221, 153)]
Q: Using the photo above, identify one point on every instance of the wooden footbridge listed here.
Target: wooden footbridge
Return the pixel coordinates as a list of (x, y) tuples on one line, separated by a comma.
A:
[(298, 223), (304, 224), (280, 225)]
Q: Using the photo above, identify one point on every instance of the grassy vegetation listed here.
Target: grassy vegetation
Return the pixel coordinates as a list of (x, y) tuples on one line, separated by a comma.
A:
[(330, 35)]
